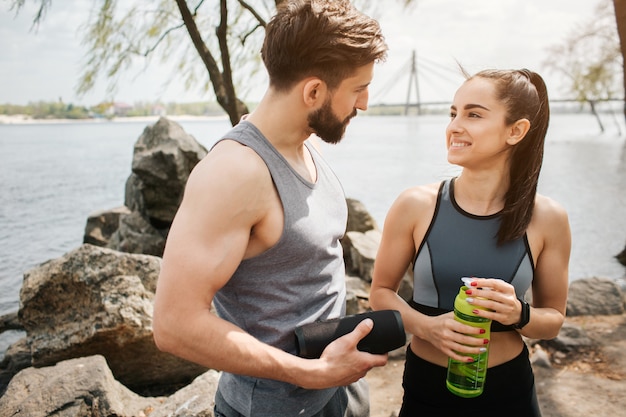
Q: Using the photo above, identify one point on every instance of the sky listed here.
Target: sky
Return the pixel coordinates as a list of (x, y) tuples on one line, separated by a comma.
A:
[(44, 65)]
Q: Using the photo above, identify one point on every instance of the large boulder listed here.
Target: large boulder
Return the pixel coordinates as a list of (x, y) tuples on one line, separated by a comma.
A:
[(99, 301), (163, 158), (195, 400), (83, 387), (594, 296)]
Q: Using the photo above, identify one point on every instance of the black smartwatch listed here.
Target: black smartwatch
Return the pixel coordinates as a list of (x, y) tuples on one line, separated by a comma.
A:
[(524, 315)]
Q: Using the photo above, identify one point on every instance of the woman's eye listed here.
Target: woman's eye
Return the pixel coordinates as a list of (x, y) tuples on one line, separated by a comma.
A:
[(474, 115), (452, 115)]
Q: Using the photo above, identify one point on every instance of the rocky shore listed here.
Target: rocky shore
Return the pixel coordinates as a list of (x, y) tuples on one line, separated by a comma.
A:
[(88, 349)]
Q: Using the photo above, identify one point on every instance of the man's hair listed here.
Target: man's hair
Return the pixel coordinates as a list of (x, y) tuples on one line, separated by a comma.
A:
[(329, 39)]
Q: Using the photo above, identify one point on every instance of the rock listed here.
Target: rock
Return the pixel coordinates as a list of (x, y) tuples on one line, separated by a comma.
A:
[(540, 358), (101, 225), (77, 387), (359, 219), (358, 287), (99, 301), (363, 248), (10, 321), (571, 338), (594, 296), (357, 294), (195, 400), (17, 357), (621, 257), (164, 156), (135, 234), (406, 285)]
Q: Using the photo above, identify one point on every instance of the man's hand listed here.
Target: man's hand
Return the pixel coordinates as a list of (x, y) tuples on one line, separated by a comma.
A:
[(341, 362)]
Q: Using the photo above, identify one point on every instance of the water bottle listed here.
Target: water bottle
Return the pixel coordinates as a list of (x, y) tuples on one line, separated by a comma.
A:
[(467, 379)]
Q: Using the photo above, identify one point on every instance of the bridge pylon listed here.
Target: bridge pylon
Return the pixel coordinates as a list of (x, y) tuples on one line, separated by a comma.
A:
[(413, 80)]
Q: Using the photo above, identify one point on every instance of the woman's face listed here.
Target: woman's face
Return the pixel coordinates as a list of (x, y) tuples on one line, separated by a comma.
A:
[(477, 132)]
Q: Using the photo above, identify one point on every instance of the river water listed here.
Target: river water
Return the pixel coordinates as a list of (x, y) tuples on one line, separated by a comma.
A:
[(52, 176)]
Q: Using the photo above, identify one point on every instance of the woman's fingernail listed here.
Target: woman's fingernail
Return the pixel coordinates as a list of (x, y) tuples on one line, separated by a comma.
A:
[(485, 341), (469, 299), (475, 311), (474, 284), (483, 349), (482, 331), (468, 292), (470, 360)]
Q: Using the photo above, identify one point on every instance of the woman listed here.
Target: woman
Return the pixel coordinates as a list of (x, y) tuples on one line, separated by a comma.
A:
[(488, 223)]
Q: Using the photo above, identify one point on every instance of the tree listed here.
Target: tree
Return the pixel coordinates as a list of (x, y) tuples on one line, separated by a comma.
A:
[(591, 60), (119, 34), (224, 34), (620, 17)]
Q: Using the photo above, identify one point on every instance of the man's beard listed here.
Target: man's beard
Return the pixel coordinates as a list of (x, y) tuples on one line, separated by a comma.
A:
[(326, 125)]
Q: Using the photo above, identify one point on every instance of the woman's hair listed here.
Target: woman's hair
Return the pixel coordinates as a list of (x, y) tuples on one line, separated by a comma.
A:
[(329, 39), (525, 96)]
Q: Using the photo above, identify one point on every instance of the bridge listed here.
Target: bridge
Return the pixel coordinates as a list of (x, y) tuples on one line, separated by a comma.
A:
[(443, 80)]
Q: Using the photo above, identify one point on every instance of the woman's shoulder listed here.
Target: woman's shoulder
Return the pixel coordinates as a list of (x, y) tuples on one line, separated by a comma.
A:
[(546, 206), (549, 214), (419, 194), (415, 201), (411, 208)]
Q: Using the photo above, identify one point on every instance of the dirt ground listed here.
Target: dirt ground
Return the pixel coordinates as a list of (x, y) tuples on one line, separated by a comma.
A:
[(590, 382)]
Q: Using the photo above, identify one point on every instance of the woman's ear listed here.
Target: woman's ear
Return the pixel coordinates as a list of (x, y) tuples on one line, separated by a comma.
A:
[(314, 91), (518, 131)]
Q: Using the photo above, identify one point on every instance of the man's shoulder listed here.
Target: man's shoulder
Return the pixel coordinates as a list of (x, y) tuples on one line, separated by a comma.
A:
[(233, 163)]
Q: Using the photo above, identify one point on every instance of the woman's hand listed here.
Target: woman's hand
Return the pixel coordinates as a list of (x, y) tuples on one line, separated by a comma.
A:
[(454, 339), (498, 297)]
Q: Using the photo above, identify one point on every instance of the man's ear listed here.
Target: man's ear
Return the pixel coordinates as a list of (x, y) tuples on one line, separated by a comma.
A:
[(518, 131), (314, 91)]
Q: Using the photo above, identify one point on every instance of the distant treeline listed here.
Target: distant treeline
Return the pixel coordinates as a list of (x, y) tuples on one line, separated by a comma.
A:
[(60, 110)]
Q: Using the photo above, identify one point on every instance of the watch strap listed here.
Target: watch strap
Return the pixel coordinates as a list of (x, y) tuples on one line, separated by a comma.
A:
[(524, 315)]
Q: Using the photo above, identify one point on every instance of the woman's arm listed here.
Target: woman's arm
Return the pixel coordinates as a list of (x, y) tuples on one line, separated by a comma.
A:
[(550, 241), (551, 282)]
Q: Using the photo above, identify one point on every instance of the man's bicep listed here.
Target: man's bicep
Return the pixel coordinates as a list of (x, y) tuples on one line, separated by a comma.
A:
[(204, 249), (211, 230)]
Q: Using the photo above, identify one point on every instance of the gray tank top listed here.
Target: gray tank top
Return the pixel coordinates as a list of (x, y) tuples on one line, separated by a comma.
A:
[(299, 280), (459, 244)]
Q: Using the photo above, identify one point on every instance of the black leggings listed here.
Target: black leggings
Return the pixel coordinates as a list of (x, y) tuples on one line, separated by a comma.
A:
[(509, 391)]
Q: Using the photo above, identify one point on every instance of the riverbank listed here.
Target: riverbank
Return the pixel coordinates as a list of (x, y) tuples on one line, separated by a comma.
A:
[(23, 119)]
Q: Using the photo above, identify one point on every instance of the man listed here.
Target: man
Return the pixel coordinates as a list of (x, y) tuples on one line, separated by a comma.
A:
[(257, 233)]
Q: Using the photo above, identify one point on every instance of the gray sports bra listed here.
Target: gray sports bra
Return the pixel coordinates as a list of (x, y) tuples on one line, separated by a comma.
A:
[(459, 244)]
